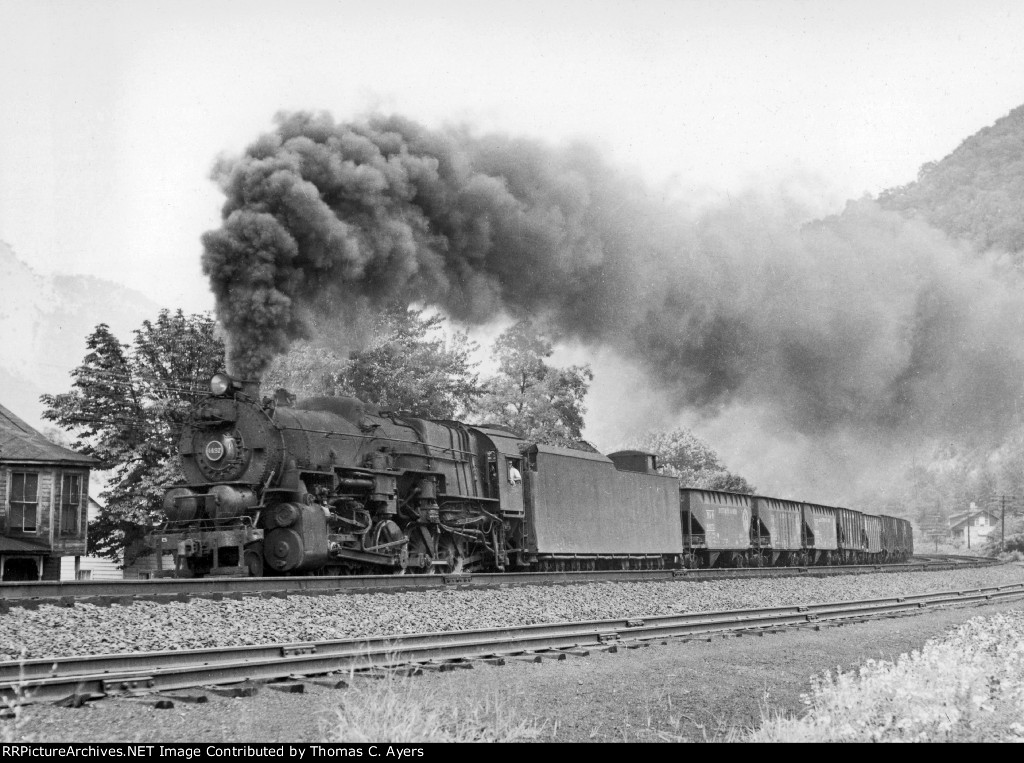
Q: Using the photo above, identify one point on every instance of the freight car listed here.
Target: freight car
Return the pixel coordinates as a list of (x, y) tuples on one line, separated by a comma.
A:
[(327, 486), (733, 530)]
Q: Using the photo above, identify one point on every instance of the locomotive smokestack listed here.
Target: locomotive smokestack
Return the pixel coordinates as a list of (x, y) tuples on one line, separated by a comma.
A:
[(251, 388)]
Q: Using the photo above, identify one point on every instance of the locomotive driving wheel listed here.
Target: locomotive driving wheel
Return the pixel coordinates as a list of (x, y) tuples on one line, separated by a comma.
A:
[(253, 560), (452, 550), (422, 549), (387, 534)]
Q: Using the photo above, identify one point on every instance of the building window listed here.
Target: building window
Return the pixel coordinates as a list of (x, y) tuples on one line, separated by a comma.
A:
[(83, 575), (24, 502), (70, 504)]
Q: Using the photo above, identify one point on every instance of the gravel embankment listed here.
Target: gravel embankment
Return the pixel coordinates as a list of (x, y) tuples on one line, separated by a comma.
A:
[(83, 629)]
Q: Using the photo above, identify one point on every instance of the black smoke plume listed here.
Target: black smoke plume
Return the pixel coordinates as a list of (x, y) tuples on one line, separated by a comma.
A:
[(864, 322)]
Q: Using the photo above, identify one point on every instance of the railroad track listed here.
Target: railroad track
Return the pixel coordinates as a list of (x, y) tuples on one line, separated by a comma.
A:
[(239, 670), (68, 592)]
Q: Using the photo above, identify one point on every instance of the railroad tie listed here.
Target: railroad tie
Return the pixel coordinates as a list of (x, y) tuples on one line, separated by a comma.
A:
[(443, 666), (288, 688), (246, 689), (555, 654), (156, 702), (575, 652), (330, 683), (78, 700), (491, 660), (193, 699)]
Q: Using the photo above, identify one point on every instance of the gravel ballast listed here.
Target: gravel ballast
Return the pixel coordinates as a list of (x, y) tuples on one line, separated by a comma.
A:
[(83, 629), (678, 692)]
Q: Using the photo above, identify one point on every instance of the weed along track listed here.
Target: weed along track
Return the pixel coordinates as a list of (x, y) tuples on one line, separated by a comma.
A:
[(163, 678)]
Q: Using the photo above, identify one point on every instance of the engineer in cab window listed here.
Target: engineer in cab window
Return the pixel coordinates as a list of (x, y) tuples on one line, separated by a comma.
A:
[(514, 477)]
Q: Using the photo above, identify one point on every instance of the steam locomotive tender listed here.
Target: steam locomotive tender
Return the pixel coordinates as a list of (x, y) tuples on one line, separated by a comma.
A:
[(326, 486)]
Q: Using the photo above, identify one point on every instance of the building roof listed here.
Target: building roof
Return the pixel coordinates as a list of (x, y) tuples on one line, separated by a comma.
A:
[(21, 443), (9, 545), (959, 519)]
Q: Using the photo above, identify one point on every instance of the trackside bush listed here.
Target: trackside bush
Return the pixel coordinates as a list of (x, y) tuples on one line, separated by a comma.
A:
[(965, 687)]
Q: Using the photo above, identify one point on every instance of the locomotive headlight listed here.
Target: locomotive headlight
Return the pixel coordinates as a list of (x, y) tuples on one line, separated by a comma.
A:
[(220, 383), (214, 450), (223, 448)]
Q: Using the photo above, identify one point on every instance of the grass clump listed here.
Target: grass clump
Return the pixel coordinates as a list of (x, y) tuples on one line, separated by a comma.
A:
[(13, 720), (965, 687), (398, 709)]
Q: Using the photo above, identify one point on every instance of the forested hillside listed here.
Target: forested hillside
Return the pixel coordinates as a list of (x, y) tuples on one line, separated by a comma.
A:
[(977, 192), (976, 195)]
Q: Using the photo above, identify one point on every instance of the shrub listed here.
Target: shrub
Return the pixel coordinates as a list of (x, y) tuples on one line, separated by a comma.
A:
[(966, 687)]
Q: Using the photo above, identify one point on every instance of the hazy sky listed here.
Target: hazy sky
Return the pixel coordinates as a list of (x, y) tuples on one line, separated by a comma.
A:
[(113, 112)]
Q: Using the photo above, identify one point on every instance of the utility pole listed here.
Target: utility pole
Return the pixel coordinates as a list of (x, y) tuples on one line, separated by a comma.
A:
[(1002, 522), (970, 508), (1003, 500)]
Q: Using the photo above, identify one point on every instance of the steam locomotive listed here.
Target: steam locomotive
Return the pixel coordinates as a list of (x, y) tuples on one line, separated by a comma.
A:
[(326, 486)]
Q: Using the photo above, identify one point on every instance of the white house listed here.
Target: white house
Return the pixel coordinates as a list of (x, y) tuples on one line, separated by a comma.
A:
[(973, 527), (90, 567)]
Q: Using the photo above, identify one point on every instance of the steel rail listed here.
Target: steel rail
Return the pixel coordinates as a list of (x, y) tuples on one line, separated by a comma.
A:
[(61, 678), (169, 589)]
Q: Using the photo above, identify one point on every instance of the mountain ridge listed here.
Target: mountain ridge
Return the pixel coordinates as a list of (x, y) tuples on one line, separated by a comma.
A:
[(44, 322)]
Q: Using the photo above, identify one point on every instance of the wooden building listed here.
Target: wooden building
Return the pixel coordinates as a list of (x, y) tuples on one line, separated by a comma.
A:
[(43, 514), (973, 527)]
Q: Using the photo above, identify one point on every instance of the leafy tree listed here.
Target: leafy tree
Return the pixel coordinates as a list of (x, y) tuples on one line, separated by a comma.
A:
[(408, 364), (408, 367), (682, 454), (540, 401), (126, 409), (308, 369)]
